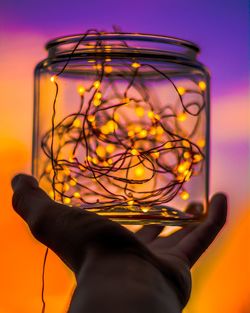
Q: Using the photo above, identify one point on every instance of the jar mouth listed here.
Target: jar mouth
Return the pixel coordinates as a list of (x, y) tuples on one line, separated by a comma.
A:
[(114, 42)]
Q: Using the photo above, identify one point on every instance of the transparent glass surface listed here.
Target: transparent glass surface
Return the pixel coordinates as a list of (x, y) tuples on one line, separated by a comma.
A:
[(121, 127)]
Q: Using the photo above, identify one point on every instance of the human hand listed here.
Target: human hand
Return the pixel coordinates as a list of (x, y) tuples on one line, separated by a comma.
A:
[(81, 239)]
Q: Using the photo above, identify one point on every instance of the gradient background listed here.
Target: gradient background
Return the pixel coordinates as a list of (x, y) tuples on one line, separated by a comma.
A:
[(221, 277)]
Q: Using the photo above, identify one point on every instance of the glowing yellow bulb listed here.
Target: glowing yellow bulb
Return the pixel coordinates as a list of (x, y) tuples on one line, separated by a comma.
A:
[(110, 161), (89, 158), (152, 131), (137, 128), (143, 133), (77, 195), (66, 171), (108, 69), (73, 182), (97, 84), (100, 151), (182, 117), (98, 66), (94, 160), (150, 114), (105, 130), (139, 111), (71, 158), (159, 130), (77, 123), (98, 95), (197, 158), (184, 195), (116, 117), (66, 200), (186, 143), (81, 90), (139, 171), (126, 100), (202, 85), (130, 202), (96, 102), (135, 65), (110, 148), (181, 90), (187, 155), (53, 78), (91, 61), (183, 167), (153, 115), (145, 209), (131, 133), (108, 59), (187, 175), (51, 194), (91, 118), (168, 145), (65, 187), (135, 152), (201, 143), (155, 154), (112, 126)]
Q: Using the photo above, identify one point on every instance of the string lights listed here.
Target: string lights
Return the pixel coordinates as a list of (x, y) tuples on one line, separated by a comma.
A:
[(122, 147)]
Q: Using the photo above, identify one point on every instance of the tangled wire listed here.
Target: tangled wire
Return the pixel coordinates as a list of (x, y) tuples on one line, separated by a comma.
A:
[(124, 145)]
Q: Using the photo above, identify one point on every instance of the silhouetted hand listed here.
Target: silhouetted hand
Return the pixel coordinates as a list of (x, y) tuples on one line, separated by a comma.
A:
[(114, 267)]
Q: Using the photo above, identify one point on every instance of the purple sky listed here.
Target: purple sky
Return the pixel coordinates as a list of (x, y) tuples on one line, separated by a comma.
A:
[(220, 27)]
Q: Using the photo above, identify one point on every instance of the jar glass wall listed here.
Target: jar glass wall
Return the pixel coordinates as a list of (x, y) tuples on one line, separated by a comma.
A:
[(121, 127)]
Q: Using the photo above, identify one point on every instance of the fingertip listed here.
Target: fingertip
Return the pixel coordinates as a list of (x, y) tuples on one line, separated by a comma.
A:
[(21, 180), (218, 209)]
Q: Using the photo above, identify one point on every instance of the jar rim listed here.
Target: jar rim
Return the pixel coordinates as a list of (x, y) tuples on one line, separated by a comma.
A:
[(113, 36)]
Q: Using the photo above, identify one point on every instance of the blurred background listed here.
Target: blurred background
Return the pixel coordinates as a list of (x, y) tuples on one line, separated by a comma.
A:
[(220, 28)]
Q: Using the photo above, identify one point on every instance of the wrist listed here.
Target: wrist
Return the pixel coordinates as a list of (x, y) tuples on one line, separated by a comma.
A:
[(128, 279)]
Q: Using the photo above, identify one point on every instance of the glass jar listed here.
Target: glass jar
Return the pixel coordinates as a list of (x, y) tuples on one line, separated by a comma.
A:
[(121, 127)]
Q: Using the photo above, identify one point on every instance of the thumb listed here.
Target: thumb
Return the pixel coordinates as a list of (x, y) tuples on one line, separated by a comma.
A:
[(28, 199)]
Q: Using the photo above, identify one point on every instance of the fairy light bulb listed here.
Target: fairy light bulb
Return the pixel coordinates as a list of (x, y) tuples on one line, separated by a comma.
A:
[(201, 143), (184, 195), (197, 158), (110, 148), (66, 200), (181, 90), (77, 195), (53, 78), (91, 118), (101, 151), (108, 69), (202, 85), (134, 152), (143, 133), (131, 202), (77, 123), (139, 171), (81, 90), (168, 145), (139, 111), (97, 84), (135, 65), (182, 117), (72, 182)]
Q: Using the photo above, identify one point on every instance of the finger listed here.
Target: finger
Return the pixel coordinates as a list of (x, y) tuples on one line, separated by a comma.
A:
[(193, 245), (63, 229), (148, 233)]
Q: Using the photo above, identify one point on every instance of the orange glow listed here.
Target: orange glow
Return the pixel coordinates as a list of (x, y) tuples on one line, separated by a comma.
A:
[(220, 278)]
